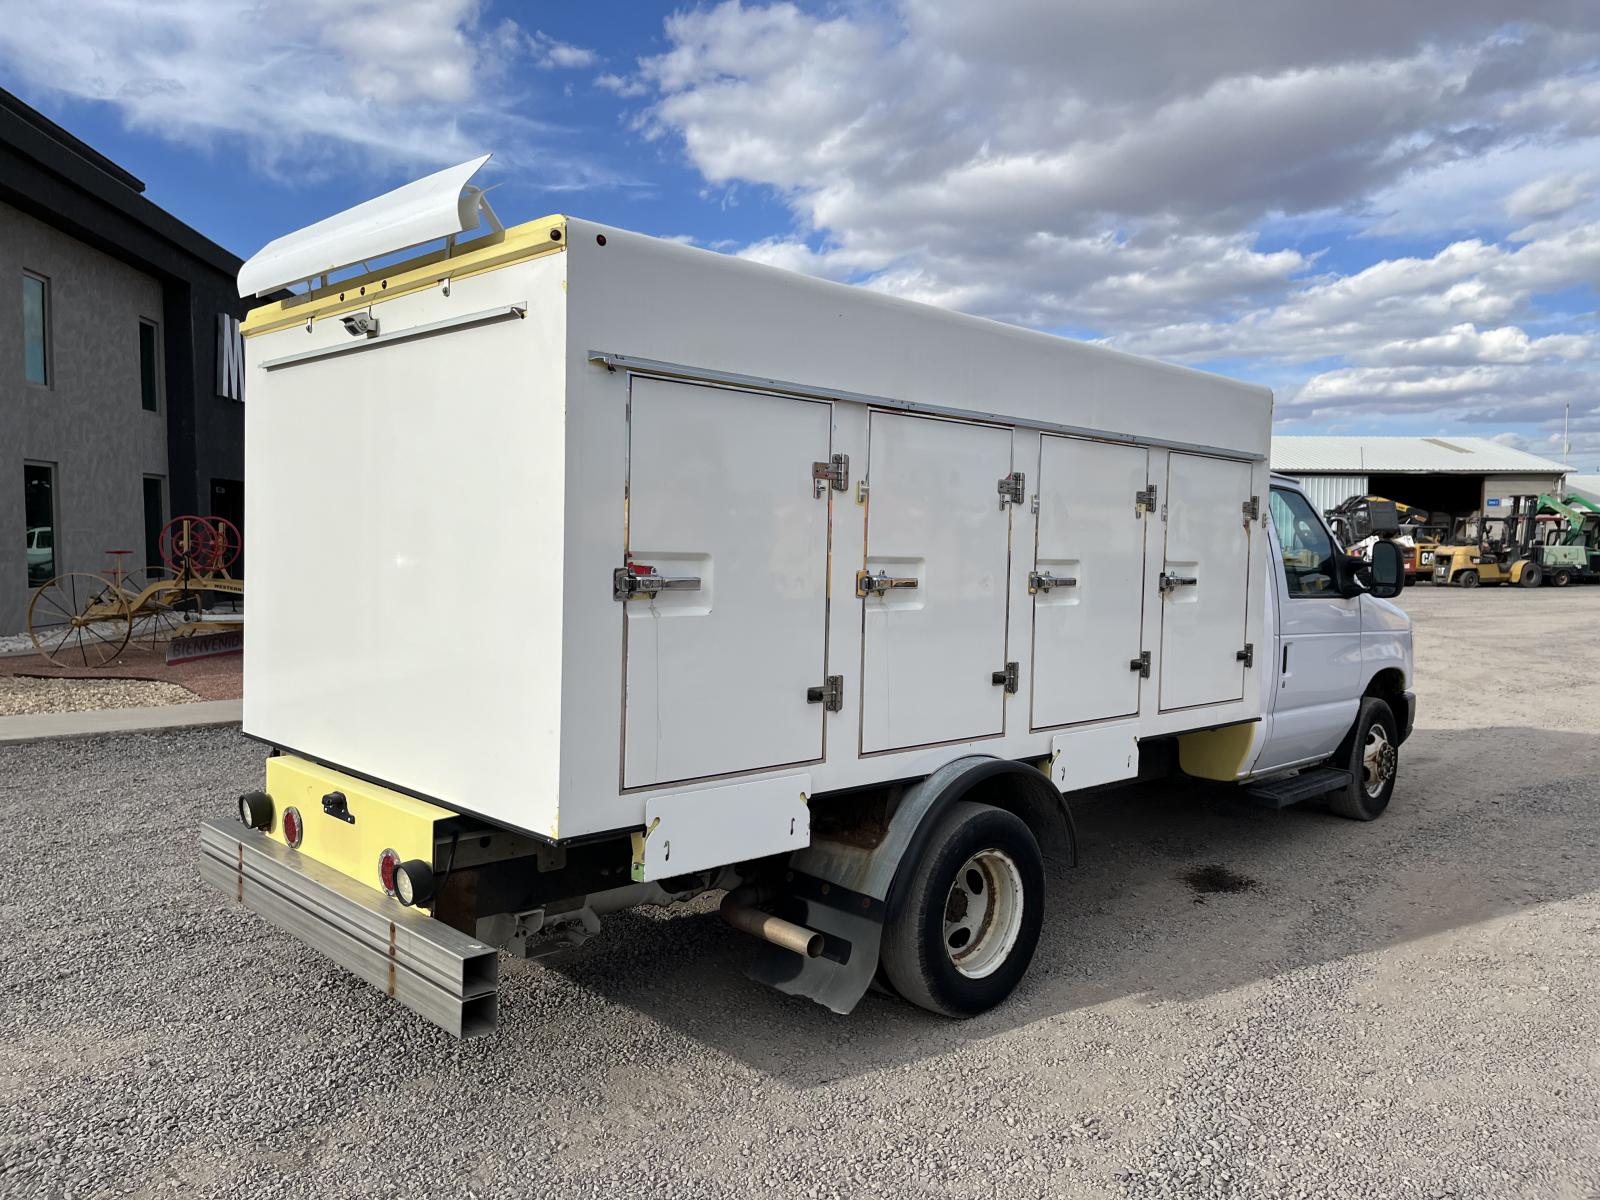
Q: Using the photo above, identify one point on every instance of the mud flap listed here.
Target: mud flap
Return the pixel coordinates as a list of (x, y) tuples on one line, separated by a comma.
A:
[(851, 923)]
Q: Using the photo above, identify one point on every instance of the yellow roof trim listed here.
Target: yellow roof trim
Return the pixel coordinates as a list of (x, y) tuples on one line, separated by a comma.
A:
[(548, 235)]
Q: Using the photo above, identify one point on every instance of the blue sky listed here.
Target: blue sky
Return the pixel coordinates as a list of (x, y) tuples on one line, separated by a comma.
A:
[(1388, 213)]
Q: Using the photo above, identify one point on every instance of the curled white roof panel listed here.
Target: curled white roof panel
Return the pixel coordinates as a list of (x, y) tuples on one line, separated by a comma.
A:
[(425, 209)]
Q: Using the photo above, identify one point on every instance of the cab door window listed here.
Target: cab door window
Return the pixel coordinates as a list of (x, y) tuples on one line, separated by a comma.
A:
[(1306, 546)]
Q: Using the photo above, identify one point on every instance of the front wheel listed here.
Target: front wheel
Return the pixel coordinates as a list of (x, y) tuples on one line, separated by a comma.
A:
[(1371, 753), (1561, 577), (1532, 576), (964, 917)]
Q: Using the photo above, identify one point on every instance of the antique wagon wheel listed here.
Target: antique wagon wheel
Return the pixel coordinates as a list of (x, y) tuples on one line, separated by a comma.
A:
[(165, 603), (229, 542), (79, 619), (188, 545)]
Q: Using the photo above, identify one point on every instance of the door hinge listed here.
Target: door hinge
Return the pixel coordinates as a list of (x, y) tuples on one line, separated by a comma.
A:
[(830, 695), (1145, 501), (1006, 679), (1248, 655), (1012, 489), (834, 473), (1141, 664), (1252, 509)]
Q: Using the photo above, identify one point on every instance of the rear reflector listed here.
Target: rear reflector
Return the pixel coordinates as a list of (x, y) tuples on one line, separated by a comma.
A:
[(293, 829)]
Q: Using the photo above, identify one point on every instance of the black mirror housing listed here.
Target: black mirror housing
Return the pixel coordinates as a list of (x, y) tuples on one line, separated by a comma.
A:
[(1387, 568)]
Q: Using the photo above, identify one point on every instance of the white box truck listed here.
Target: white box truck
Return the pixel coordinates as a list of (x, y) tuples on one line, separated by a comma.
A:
[(590, 570)]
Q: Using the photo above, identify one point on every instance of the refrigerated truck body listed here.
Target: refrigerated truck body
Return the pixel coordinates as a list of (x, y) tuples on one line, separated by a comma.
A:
[(590, 569)]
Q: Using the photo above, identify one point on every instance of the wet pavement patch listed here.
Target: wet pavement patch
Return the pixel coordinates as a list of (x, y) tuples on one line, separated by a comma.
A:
[(1214, 878)]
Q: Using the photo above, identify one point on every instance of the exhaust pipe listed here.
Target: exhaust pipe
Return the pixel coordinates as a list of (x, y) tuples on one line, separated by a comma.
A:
[(738, 912)]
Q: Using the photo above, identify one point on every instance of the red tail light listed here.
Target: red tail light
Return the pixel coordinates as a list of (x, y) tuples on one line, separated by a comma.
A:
[(293, 828), (387, 862)]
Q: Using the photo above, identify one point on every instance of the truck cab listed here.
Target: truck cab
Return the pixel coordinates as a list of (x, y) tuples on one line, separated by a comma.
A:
[(1336, 647)]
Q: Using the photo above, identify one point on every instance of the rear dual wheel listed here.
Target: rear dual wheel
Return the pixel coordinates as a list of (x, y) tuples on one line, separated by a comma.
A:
[(964, 916)]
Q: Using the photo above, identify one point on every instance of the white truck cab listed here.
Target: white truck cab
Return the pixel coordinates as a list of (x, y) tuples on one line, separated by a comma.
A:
[(1336, 646), (671, 573)]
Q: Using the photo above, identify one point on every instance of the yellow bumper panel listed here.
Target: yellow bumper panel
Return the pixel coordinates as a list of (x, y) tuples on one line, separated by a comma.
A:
[(380, 819)]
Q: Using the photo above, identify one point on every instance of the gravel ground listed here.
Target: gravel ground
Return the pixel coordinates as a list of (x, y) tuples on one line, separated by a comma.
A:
[(1401, 1009), (20, 694), (219, 678)]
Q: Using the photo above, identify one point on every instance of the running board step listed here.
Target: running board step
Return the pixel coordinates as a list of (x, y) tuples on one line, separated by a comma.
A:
[(1281, 793)]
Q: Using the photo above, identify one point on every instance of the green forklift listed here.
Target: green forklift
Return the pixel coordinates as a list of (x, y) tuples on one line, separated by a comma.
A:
[(1569, 552)]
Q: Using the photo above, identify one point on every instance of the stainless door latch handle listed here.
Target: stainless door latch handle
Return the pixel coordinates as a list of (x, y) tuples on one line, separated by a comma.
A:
[(640, 580), (1043, 581), (1171, 583), (868, 584)]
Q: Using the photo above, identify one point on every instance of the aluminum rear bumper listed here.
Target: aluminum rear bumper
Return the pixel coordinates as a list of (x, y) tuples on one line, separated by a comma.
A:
[(435, 970)]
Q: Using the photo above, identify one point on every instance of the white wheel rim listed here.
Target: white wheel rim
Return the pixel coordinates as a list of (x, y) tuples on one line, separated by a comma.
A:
[(983, 913), (1377, 760)]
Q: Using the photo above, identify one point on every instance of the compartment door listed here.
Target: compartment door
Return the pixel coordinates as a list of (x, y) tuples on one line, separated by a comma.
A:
[(721, 505), (935, 524), (1087, 581), (1205, 584)]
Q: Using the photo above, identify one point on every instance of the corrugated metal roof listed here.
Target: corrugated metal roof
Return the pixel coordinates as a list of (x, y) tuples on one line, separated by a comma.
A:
[(1372, 455)]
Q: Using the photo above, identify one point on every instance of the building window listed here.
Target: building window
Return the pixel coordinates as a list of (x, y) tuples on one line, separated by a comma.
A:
[(155, 511), (39, 516), (149, 366), (36, 328)]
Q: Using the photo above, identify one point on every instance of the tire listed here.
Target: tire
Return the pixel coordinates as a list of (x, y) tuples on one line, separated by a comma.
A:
[(975, 855), (1371, 753), (1560, 577), (1532, 575), (1467, 579)]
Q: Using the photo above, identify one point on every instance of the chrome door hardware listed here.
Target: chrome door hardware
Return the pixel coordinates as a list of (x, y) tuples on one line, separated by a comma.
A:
[(636, 579), (1145, 501), (830, 695), (1012, 489), (834, 473), (1043, 581), (868, 584), (1141, 664), (1171, 583), (1006, 678)]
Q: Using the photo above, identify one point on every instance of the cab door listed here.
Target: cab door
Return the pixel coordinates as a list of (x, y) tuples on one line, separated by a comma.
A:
[(1318, 660)]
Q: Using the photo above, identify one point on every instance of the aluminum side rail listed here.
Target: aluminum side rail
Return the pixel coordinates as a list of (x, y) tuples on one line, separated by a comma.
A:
[(432, 969)]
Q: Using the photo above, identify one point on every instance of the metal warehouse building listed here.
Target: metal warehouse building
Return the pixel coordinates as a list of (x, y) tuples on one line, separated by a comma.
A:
[(1456, 475)]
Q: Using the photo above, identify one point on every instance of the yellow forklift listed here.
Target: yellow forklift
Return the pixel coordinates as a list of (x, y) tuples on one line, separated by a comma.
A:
[(1502, 552)]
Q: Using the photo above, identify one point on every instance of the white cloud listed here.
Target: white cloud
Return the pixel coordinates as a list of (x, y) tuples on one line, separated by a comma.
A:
[(302, 88), (551, 54), (1115, 167)]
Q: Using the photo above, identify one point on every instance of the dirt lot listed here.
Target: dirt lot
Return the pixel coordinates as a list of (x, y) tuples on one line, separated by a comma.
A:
[(1407, 1008)]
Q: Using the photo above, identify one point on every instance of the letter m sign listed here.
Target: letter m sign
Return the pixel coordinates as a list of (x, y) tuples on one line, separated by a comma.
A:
[(230, 358)]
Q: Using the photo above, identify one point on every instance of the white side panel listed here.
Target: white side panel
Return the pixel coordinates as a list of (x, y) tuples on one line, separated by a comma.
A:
[(404, 542), (1093, 755), (934, 516), (694, 831), (1089, 533), (720, 490), (1204, 617)]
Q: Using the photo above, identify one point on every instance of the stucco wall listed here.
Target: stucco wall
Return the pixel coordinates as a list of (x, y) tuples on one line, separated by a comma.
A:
[(89, 422)]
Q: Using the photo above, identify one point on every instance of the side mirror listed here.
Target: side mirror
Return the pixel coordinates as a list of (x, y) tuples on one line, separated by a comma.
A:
[(1387, 566)]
